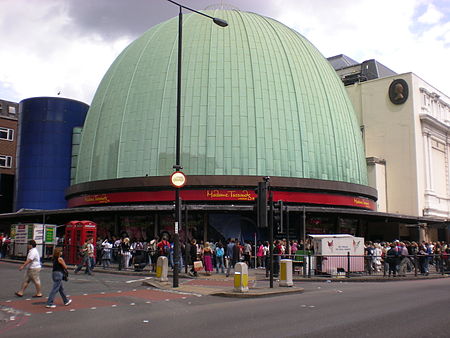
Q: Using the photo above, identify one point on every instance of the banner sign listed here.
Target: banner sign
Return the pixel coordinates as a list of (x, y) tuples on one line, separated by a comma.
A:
[(238, 195)]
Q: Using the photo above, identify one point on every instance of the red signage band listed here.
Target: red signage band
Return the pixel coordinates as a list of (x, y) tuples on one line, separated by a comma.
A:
[(220, 195)]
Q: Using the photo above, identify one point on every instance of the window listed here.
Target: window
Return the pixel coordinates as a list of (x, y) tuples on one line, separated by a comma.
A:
[(5, 161), (6, 134), (12, 110)]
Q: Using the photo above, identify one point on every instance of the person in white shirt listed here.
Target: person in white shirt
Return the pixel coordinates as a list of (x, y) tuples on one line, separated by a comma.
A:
[(34, 268)]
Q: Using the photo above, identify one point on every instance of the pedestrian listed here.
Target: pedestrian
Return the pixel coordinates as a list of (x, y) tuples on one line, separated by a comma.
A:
[(405, 263), (58, 272), (2, 237), (207, 258), (259, 254), (87, 250), (106, 253), (193, 254), (153, 253), (392, 259), (378, 254), (424, 259), (220, 252), (164, 247), (230, 258), (277, 252), (33, 264), (126, 253), (247, 251)]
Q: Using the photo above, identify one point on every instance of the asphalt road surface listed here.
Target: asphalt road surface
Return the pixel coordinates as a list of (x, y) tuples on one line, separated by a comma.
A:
[(107, 305)]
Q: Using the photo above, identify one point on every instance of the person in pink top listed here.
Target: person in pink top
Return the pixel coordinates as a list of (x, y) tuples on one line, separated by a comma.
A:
[(260, 255)]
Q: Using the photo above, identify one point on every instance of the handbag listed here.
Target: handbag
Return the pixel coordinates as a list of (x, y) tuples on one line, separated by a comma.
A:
[(198, 265), (65, 275)]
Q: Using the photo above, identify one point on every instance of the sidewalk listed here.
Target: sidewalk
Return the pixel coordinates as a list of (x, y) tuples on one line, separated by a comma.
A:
[(220, 285)]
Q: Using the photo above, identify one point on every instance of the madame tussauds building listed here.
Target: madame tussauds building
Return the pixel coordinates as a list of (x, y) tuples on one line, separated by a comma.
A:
[(258, 100)]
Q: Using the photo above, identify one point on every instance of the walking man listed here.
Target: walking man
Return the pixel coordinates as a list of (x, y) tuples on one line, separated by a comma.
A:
[(230, 257), (87, 250), (33, 263)]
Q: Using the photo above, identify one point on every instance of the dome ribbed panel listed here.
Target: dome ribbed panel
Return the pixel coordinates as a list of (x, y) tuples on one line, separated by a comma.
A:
[(257, 99)]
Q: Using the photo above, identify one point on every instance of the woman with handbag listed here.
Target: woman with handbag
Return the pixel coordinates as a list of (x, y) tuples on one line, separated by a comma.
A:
[(207, 258), (59, 272)]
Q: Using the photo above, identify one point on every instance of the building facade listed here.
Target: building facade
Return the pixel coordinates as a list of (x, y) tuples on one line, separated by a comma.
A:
[(9, 115), (405, 123), (45, 145)]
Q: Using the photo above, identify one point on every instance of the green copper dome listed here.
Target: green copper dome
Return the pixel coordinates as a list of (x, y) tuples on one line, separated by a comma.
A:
[(257, 99)]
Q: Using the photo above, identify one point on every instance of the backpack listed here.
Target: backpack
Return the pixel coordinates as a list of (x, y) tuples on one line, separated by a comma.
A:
[(219, 252), (165, 249)]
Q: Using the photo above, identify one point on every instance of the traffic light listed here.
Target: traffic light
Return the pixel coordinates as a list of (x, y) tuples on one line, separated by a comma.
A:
[(261, 205), (278, 210)]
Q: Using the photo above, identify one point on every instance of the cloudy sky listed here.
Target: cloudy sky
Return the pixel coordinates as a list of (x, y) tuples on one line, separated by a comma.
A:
[(51, 46)]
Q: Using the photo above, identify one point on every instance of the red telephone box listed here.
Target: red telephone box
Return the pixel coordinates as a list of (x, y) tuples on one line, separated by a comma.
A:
[(76, 234)]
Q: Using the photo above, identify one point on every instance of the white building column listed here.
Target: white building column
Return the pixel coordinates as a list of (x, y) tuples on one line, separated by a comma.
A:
[(429, 186)]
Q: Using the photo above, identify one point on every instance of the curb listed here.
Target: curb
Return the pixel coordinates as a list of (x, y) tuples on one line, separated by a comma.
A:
[(258, 293)]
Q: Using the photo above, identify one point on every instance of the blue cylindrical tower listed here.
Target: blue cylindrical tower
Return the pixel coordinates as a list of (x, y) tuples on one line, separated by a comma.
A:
[(44, 150)]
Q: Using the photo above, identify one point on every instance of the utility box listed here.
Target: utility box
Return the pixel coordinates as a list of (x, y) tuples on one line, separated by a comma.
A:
[(43, 234), (338, 252)]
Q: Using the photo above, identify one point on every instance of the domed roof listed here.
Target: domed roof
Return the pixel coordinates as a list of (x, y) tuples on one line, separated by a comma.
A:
[(257, 99)]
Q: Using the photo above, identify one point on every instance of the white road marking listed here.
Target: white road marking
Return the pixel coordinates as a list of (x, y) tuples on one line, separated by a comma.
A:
[(138, 280), (93, 308)]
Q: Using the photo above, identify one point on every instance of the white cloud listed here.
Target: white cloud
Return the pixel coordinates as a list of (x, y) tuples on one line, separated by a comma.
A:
[(382, 30), (44, 55), (42, 52), (431, 16)]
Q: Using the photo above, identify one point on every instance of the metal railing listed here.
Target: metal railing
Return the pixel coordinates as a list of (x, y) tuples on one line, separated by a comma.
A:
[(364, 265)]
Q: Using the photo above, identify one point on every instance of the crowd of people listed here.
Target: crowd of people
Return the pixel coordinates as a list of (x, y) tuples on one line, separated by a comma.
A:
[(219, 256), (394, 258), (397, 257)]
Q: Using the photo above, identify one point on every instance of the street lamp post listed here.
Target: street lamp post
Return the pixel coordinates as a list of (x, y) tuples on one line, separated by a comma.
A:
[(177, 166)]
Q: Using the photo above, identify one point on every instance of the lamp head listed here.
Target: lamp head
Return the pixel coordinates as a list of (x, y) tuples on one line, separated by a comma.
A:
[(220, 22)]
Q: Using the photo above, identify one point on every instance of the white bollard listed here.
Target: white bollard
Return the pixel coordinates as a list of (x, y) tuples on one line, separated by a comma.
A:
[(286, 272), (241, 277), (162, 269)]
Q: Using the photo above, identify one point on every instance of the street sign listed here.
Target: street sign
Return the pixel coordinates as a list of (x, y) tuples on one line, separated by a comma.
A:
[(178, 179)]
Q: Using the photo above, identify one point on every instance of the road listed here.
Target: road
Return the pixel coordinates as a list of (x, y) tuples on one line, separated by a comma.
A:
[(107, 305)]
